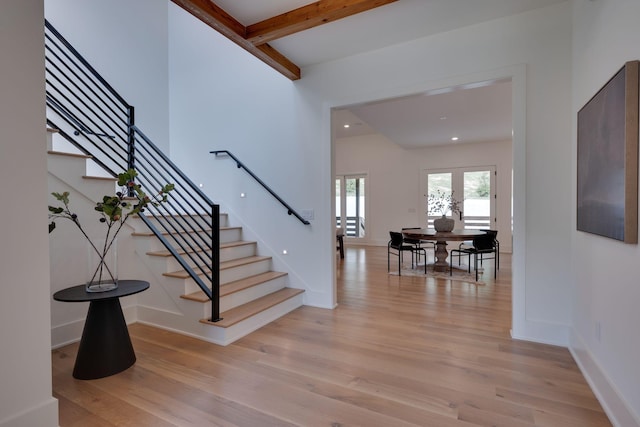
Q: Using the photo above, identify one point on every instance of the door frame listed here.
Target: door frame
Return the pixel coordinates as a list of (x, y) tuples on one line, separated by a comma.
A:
[(521, 326)]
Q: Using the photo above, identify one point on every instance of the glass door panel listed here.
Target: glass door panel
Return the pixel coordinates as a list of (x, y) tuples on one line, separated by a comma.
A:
[(351, 205), (438, 183), (339, 203), (477, 199), (474, 188)]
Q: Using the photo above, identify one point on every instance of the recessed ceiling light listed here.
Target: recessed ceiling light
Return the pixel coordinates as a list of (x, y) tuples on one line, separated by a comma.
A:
[(443, 118), (346, 126), (455, 138)]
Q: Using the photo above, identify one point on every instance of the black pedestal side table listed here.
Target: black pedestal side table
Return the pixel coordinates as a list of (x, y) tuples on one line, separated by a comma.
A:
[(105, 347)]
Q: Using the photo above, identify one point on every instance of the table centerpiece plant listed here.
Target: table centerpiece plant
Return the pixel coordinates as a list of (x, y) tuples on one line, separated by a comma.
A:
[(114, 211), (442, 203)]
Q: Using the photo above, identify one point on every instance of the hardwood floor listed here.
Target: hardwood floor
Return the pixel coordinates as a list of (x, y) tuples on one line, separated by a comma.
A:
[(397, 351)]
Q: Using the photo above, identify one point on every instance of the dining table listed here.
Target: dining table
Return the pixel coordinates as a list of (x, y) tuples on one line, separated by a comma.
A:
[(441, 238)]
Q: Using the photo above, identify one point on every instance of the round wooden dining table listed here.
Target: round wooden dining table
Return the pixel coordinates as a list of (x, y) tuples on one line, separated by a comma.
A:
[(441, 238)]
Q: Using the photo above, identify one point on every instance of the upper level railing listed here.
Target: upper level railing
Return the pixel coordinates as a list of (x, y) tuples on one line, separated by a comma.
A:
[(95, 119), (354, 226), (240, 165)]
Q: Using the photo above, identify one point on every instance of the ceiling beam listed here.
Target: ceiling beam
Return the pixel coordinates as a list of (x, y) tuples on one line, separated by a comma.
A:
[(215, 17), (306, 17), (254, 38)]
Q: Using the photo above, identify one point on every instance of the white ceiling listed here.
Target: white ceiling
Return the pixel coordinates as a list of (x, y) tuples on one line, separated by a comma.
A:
[(386, 25), (472, 114)]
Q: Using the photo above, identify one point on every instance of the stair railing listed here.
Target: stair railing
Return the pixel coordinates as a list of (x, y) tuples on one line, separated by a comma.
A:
[(94, 118), (240, 165)]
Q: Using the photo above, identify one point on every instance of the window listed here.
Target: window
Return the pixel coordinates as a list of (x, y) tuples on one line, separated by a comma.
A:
[(350, 205), (473, 187)]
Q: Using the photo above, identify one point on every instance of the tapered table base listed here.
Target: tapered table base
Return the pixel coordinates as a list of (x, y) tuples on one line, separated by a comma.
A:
[(105, 347)]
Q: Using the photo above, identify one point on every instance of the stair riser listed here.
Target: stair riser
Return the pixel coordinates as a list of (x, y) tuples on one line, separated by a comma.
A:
[(185, 222), (228, 235), (152, 244), (70, 170), (193, 240), (212, 333), (236, 252), (226, 254), (236, 299), (232, 274), (236, 273), (225, 336)]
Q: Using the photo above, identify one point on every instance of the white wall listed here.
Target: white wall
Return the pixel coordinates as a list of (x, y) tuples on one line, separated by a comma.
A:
[(534, 49), (126, 42), (605, 286), (395, 199), (252, 111), (224, 98), (25, 371)]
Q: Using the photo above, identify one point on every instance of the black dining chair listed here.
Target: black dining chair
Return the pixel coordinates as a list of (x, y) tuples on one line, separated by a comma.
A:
[(418, 243), (397, 244), (482, 247), (340, 241)]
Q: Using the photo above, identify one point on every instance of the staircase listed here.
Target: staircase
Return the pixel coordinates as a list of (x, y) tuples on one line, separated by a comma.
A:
[(251, 293)]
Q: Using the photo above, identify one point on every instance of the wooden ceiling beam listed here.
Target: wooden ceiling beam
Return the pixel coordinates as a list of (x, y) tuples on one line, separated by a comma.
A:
[(254, 38), (215, 17), (306, 17)]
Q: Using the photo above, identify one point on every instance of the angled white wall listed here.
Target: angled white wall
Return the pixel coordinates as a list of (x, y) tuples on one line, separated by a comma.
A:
[(606, 289), (126, 42), (25, 371)]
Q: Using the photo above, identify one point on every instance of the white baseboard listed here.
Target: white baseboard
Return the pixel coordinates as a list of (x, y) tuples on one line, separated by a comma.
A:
[(617, 409), (541, 332), (43, 415)]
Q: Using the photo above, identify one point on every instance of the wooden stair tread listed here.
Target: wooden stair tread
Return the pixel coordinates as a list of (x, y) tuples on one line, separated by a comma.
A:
[(166, 233), (194, 215), (240, 313), (62, 153), (102, 178), (236, 286), (181, 274), (182, 251)]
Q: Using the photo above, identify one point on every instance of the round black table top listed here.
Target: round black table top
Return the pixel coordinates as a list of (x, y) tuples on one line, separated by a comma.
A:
[(79, 293)]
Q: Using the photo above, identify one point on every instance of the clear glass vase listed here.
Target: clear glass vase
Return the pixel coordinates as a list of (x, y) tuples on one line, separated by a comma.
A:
[(102, 272)]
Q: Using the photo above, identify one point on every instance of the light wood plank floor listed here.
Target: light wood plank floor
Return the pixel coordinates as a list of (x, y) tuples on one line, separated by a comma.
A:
[(398, 351)]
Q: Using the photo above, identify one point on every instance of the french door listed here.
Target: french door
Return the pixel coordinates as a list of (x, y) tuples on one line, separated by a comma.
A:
[(351, 199), (473, 187)]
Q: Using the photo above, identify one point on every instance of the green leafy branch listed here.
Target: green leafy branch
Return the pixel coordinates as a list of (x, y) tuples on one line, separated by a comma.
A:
[(114, 210), (441, 203)]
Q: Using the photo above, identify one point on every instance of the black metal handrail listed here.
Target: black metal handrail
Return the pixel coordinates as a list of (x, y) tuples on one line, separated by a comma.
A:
[(239, 164), (94, 118)]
